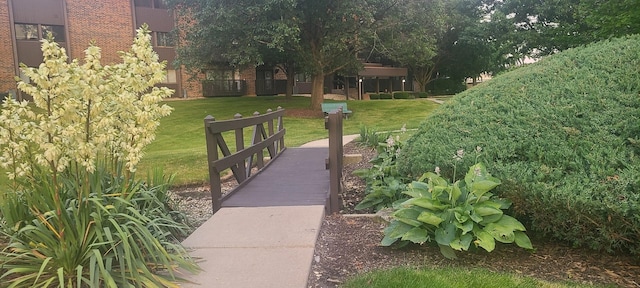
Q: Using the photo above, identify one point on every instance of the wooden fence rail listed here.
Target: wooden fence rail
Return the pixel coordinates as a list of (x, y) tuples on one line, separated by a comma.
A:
[(244, 159)]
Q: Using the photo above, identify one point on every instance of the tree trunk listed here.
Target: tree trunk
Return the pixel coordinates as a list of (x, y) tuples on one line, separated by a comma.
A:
[(317, 91), (291, 80)]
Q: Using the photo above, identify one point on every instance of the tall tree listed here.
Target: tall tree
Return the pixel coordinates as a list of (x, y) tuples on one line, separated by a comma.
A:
[(411, 37), (436, 36), (544, 27), (320, 36)]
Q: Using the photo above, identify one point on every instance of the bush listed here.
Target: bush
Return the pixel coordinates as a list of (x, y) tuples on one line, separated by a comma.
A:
[(445, 86), (386, 96), (562, 134), (384, 184), (421, 94), (374, 96), (403, 95)]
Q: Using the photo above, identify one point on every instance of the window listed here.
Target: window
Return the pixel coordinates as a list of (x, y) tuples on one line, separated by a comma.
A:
[(27, 32), (303, 78), (37, 32), (171, 77), (219, 74), (158, 4), (142, 3), (164, 39), (56, 30)]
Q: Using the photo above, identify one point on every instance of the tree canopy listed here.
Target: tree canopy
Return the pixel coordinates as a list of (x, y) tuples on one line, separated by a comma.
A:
[(451, 38), (320, 36)]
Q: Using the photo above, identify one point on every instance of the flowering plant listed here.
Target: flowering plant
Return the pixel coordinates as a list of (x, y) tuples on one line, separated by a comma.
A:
[(76, 214)]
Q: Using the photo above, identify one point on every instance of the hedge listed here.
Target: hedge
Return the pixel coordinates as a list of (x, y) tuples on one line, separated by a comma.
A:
[(564, 136), (403, 95)]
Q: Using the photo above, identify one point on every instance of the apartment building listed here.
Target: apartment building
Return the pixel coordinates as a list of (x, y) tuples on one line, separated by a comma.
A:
[(75, 24)]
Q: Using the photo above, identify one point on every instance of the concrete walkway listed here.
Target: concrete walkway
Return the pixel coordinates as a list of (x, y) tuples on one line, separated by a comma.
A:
[(266, 247)]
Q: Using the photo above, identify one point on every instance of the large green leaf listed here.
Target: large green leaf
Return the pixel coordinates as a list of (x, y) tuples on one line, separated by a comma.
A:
[(418, 189), (388, 241), (501, 233), (447, 252), (408, 216), (522, 240), (465, 227), (486, 210), (428, 203), (484, 240), (455, 192), (445, 234), (462, 243), (416, 235), (396, 229), (484, 186), (511, 223), (430, 218)]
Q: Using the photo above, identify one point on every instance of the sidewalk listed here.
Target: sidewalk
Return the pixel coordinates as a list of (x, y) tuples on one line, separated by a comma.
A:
[(267, 247)]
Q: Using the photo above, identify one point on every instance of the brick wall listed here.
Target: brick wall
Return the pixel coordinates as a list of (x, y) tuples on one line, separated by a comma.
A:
[(249, 75), (7, 67), (192, 86), (108, 23)]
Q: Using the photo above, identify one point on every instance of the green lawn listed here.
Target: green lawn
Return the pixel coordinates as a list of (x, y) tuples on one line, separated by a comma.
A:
[(180, 144), (449, 278)]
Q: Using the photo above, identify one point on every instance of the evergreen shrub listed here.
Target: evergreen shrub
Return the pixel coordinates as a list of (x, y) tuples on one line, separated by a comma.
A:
[(386, 96), (403, 95), (445, 86), (374, 96), (420, 94), (563, 134)]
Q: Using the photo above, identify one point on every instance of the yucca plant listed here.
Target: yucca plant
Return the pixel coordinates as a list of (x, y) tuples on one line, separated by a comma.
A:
[(104, 239), (76, 216)]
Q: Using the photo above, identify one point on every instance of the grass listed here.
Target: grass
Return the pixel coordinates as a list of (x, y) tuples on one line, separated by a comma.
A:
[(448, 278), (180, 147), (180, 143)]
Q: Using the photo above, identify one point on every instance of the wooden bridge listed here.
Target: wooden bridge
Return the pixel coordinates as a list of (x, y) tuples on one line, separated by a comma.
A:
[(296, 176), (263, 233)]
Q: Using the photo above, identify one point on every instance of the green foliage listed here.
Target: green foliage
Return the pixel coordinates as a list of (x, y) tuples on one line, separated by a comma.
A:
[(384, 184), (561, 134), (386, 96), (455, 215), (445, 86), (374, 96), (122, 233), (370, 137), (403, 95), (420, 94)]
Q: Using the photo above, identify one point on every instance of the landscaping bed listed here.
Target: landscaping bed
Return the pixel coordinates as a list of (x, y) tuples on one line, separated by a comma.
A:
[(349, 245)]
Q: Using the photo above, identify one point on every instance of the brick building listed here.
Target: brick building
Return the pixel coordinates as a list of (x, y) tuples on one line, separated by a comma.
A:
[(110, 25)]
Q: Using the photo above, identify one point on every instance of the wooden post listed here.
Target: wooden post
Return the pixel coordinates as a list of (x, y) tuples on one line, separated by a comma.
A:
[(242, 167), (214, 174), (335, 160)]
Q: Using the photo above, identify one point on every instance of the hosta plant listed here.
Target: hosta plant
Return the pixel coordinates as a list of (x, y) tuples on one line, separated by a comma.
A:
[(455, 215), (384, 184)]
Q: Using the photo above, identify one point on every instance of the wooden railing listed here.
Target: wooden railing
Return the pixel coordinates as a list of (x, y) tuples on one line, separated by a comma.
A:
[(333, 122), (244, 159)]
